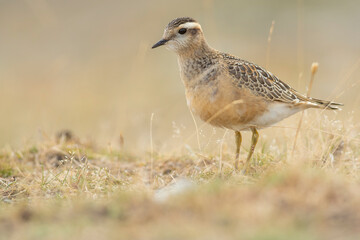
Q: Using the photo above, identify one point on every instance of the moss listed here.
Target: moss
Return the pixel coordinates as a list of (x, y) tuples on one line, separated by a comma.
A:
[(6, 172), (33, 150)]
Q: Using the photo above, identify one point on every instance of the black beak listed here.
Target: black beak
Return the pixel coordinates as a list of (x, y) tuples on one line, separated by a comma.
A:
[(160, 43)]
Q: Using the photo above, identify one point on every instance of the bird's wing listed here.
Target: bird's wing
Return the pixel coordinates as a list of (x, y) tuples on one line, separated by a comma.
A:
[(261, 82), (265, 84)]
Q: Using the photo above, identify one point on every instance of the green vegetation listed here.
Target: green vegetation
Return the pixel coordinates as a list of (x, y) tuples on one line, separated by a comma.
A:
[(69, 189)]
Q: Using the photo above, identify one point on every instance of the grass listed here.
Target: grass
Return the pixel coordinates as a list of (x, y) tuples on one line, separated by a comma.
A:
[(66, 187), (69, 188)]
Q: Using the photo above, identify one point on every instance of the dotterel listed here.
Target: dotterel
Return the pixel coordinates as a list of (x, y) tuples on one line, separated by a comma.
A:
[(229, 92)]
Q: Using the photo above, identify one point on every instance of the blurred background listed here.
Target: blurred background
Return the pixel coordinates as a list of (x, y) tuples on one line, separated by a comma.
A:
[(88, 66)]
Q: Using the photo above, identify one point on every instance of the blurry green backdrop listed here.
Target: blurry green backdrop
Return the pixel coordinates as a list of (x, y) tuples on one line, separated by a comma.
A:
[(87, 65)]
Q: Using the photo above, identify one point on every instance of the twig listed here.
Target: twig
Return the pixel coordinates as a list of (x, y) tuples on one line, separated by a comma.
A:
[(221, 151), (151, 147), (314, 68), (268, 44), (197, 130)]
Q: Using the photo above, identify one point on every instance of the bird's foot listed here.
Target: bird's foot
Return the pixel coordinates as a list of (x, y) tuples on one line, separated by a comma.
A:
[(244, 171), (238, 165), (241, 167)]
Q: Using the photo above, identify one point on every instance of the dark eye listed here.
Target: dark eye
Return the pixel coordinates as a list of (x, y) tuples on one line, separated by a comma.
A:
[(182, 30)]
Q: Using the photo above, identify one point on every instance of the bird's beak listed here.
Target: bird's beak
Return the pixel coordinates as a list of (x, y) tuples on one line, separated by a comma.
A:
[(160, 43)]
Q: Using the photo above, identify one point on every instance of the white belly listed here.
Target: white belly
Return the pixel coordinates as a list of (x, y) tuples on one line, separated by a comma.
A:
[(275, 113)]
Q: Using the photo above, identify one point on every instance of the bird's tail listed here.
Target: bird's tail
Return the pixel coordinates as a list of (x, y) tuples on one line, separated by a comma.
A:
[(323, 104)]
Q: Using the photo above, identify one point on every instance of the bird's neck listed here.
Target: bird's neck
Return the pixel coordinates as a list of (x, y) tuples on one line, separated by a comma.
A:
[(197, 50), (195, 61)]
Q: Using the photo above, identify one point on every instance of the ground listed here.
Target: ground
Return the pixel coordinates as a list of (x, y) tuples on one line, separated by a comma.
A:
[(63, 187)]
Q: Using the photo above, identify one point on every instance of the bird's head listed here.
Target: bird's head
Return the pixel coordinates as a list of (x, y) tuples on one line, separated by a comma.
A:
[(182, 34)]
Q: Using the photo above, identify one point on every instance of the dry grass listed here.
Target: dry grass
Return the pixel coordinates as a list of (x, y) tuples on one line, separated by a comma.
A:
[(68, 188)]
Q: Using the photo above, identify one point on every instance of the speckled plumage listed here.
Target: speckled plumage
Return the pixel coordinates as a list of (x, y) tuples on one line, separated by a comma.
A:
[(227, 91), (178, 21), (265, 84)]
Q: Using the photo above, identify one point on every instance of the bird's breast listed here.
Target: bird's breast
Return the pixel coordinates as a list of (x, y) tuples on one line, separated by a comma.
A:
[(220, 104)]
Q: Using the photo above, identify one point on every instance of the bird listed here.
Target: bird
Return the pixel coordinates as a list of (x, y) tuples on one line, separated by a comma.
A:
[(229, 92)]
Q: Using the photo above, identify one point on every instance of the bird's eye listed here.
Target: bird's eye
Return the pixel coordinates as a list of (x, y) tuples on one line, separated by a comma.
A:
[(182, 30)]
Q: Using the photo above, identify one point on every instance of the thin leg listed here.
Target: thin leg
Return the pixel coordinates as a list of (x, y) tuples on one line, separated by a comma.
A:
[(254, 139), (238, 140)]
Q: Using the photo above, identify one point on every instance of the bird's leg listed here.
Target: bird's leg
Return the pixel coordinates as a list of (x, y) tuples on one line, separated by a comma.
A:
[(254, 139), (238, 140)]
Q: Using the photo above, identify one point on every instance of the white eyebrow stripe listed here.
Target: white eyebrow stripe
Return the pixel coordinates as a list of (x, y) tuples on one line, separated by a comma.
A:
[(190, 25)]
